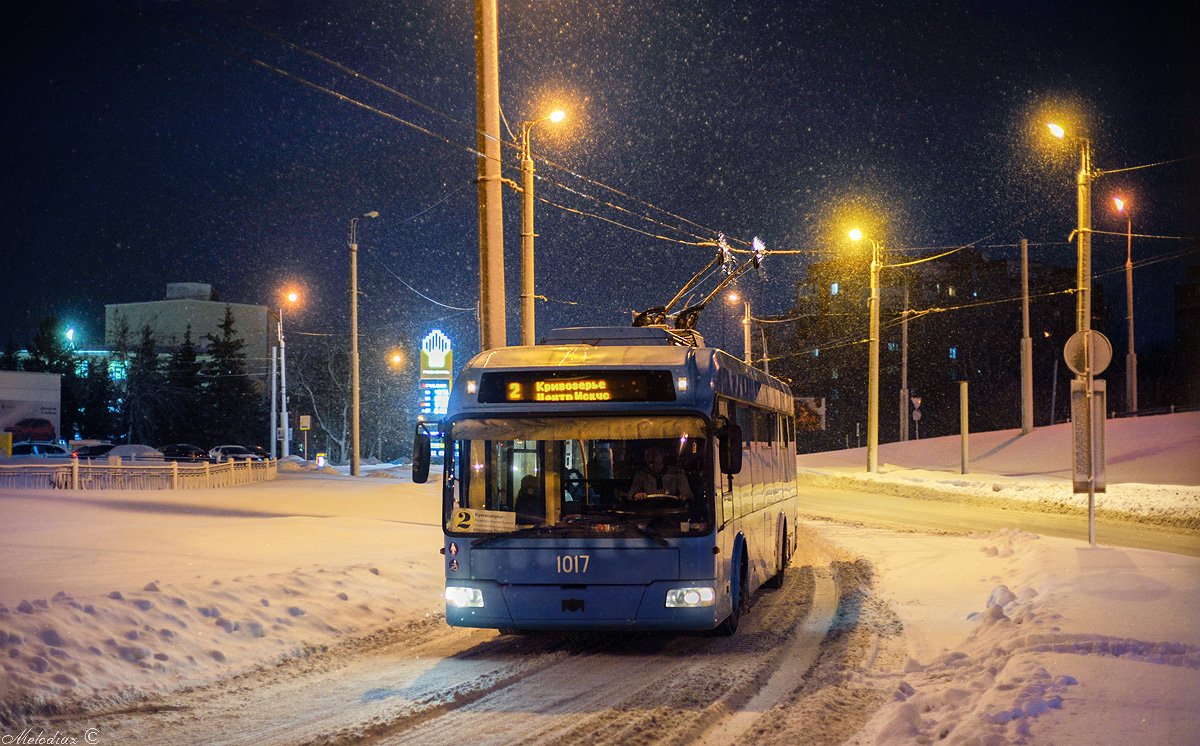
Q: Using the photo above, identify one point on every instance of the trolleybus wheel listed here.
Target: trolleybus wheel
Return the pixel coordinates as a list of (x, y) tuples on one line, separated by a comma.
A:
[(730, 625)]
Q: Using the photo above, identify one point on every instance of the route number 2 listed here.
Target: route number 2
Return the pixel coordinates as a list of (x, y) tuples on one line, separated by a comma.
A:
[(572, 563)]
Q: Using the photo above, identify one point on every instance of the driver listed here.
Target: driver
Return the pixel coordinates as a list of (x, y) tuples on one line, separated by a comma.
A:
[(656, 478)]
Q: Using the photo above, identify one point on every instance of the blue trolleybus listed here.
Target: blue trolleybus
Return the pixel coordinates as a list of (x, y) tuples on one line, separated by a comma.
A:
[(610, 479)]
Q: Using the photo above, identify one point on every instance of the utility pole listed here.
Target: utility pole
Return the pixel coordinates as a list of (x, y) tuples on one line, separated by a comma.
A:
[(904, 367), (1083, 281), (1131, 397), (746, 333), (1026, 346), (492, 332)]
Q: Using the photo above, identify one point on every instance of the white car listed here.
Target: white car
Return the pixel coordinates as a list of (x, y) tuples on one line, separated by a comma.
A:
[(135, 453), (39, 448), (221, 454)]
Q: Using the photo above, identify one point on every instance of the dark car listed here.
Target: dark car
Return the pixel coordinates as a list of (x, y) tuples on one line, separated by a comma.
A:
[(261, 452), (31, 428), (87, 453), (221, 454), (185, 453)]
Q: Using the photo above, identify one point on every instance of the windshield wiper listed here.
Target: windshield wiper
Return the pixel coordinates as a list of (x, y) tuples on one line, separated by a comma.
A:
[(659, 540), (519, 532)]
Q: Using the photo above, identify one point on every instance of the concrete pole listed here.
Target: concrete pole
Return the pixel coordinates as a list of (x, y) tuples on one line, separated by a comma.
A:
[(283, 402), (766, 359), (354, 444), (528, 327), (1083, 280), (1131, 394), (904, 367), (1026, 346), (274, 404), (492, 333), (964, 426), (873, 371), (746, 334)]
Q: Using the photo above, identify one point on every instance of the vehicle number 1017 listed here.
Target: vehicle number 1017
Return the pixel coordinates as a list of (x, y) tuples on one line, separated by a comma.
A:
[(572, 563)]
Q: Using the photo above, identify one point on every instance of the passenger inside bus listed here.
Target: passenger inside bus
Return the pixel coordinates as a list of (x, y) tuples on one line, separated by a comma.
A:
[(657, 478), (529, 502)]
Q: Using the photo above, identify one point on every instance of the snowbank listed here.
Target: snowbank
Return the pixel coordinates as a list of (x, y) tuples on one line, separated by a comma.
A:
[(109, 595), (1152, 469)]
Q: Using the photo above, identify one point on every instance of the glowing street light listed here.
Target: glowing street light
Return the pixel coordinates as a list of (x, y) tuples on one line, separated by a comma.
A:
[(873, 367), (528, 334), (734, 298), (1131, 397), (281, 431), (1083, 273)]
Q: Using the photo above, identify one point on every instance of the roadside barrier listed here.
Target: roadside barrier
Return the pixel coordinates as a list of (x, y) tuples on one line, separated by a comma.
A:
[(117, 476)]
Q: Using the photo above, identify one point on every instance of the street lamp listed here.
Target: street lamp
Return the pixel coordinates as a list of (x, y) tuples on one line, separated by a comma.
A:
[(1131, 358), (292, 297), (1083, 272), (734, 298), (873, 370), (528, 336), (355, 451)]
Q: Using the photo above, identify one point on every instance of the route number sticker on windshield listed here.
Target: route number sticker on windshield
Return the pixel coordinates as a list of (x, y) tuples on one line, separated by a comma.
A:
[(483, 521)]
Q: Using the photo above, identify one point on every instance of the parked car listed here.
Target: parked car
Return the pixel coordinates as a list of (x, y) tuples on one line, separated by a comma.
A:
[(261, 452), (31, 428), (221, 454), (135, 453), (185, 453), (36, 448), (87, 453)]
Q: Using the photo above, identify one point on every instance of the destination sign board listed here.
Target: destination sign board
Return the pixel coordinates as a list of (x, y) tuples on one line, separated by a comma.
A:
[(551, 387)]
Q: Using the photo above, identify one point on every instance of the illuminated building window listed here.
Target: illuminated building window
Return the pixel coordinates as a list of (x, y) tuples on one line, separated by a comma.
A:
[(817, 352), (116, 370), (893, 346), (833, 289), (953, 353), (950, 291)]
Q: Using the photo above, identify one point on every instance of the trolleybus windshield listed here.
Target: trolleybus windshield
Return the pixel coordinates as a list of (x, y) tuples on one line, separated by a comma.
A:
[(579, 476)]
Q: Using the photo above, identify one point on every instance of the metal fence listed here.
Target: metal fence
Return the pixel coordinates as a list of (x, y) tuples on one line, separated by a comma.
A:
[(116, 476)]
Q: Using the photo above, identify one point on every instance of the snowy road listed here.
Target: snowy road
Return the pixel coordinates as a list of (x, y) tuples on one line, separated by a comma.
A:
[(429, 684)]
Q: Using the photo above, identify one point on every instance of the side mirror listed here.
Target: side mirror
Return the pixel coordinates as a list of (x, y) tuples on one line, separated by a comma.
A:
[(420, 465), (729, 441)]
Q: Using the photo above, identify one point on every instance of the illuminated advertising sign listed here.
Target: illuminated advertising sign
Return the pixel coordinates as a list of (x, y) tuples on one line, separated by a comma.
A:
[(550, 387), (437, 374), (437, 357)]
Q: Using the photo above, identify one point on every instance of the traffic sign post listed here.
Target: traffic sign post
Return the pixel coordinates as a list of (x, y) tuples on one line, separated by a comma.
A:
[(1088, 354), (916, 416)]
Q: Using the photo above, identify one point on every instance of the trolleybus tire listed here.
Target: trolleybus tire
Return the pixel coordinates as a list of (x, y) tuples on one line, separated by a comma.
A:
[(730, 625), (781, 557)]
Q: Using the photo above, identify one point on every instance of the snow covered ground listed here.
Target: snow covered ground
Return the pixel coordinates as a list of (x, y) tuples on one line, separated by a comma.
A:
[(1007, 637)]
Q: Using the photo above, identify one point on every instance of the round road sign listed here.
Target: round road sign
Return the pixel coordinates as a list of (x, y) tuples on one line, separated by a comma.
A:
[(1099, 349)]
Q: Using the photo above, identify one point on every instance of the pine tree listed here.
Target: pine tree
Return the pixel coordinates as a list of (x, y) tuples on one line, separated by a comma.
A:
[(233, 409), (49, 352), (184, 382), (99, 417), (9, 359), (146, 401)]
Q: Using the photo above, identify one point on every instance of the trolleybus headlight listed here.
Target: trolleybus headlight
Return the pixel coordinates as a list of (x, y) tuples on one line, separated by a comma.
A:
[(684, 597), (463, 598)]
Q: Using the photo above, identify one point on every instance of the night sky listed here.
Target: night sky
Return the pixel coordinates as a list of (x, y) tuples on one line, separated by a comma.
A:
[(137, 154)]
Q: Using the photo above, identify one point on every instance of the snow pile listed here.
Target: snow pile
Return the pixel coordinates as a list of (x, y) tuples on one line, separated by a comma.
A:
[(111, 595), (1152, 473), (1067, 644)]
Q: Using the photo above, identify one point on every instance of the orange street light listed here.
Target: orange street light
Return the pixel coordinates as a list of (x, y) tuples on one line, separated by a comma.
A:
[(528, 329)]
